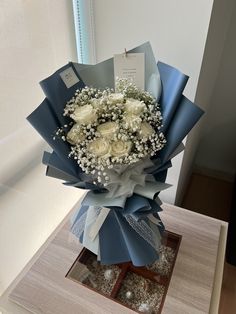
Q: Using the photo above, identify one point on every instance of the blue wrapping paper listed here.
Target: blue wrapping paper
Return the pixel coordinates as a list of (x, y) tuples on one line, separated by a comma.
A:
[(118, 240)]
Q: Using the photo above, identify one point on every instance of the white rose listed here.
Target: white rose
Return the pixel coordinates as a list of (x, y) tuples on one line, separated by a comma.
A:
[(108, 129), (95, 102), (75, 136), (120, 148), (131, 121), (146, 129), (85, 114), (134, 106), (100, 147), (115, 98)]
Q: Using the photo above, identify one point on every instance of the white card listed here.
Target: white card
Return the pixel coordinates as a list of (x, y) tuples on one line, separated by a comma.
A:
[(92, 245), (130, 66), (69, 77), (94, 230)]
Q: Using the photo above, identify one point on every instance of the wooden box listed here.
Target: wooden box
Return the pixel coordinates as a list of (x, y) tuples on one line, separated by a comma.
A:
[(150, 283)]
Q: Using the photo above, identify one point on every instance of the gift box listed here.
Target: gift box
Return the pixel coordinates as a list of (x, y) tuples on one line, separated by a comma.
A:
[(143, 289)]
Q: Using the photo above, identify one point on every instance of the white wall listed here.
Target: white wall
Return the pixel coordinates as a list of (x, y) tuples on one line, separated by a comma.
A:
[(36, 38), (217, 149), (177, 31), (216, 38)]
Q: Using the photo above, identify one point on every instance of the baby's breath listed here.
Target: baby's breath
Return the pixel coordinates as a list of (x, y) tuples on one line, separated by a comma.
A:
[(126, 142)]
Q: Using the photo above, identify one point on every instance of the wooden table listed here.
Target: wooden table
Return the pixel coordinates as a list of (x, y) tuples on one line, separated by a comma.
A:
[(194, 288)]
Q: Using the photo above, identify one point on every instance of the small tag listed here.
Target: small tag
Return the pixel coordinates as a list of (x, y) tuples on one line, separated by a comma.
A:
[(93, 232), (130, 66), (69, 77)]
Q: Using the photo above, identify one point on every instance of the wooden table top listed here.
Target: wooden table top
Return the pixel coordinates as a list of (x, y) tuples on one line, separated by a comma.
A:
[(194, 288)]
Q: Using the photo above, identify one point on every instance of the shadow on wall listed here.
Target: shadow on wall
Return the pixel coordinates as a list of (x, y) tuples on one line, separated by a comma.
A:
[(219, 147), (21, 166)]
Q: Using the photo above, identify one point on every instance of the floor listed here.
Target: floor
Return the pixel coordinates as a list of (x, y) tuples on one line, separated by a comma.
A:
[(209, 196), (212, 197), (228, 294)]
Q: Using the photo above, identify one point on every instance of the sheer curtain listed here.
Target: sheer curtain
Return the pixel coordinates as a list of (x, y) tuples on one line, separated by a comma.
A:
[(37, 37)]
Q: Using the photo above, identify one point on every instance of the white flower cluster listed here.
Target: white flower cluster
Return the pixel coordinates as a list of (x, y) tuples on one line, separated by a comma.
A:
[(112, 128)]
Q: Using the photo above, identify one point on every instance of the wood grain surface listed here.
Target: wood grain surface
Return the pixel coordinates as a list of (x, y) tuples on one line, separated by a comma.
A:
[(44, 289)]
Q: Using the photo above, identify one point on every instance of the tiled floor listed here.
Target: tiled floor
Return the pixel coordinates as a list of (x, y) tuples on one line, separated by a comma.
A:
[(212, 197)]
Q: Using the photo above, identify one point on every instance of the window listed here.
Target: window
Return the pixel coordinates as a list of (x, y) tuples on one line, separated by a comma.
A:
[(84, 31)]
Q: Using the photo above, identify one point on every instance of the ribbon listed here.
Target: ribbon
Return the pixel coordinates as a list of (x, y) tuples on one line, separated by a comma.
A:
[(98, 222), (92, 220), (146, 231)]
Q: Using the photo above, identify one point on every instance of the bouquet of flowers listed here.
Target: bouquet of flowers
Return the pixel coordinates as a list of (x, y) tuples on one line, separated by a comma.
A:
[(118, 145), (110, 131)]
